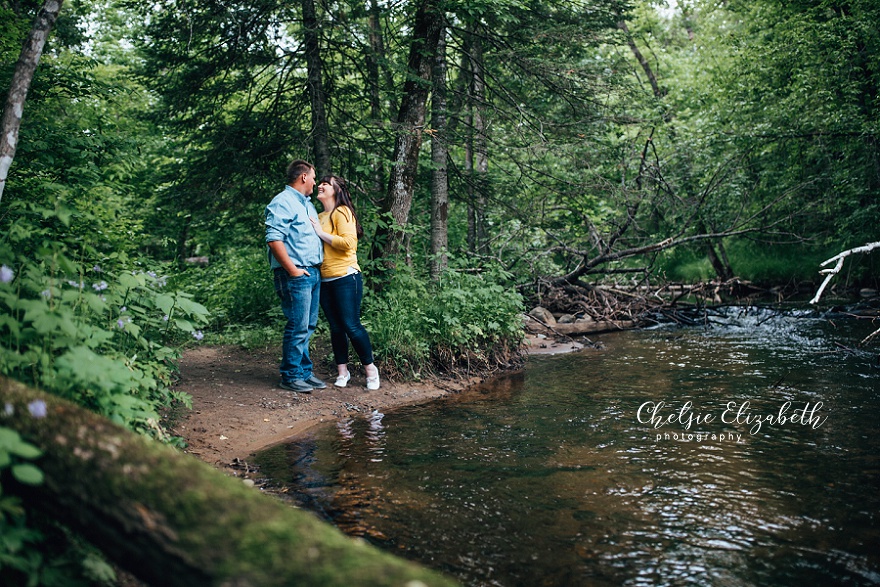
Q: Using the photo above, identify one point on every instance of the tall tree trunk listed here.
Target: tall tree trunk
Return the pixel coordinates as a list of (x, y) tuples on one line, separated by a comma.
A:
[(374, 54), (320, 129), (439, 153), (470, 189), (646, 67), (21, 82), (182, 238), (377, 45), (481, 143), (410, 125)]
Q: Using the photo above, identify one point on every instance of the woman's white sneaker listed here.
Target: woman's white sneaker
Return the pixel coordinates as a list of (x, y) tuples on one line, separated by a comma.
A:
[(373, 382), (342, 380)]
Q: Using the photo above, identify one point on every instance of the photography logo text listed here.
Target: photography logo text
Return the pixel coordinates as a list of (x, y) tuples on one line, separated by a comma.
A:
[(690, 424)]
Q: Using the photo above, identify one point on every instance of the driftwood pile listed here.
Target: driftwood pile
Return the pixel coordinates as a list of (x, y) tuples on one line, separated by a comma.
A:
[(579, 309)]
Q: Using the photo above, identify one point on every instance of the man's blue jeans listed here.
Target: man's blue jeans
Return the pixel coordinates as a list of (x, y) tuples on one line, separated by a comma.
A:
[(341, 302), (300, 297)]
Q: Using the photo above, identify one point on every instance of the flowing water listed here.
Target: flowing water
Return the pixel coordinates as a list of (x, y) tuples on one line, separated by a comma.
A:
[(743, 452)]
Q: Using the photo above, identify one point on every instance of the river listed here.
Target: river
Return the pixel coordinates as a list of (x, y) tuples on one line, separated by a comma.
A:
[(744, 451)]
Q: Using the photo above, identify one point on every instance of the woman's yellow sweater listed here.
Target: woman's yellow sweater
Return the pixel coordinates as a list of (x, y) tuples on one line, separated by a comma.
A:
[(341, 252)]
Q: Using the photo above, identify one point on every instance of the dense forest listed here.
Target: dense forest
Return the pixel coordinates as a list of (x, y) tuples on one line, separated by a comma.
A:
[(503, 154)]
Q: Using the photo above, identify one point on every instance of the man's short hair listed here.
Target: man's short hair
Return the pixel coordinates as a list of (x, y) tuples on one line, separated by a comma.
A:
[(297, 168)]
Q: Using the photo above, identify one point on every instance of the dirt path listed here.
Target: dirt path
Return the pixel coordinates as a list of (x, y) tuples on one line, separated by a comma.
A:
[(238, 407)]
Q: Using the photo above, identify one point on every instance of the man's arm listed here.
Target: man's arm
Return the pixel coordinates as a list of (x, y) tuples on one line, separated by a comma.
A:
[(280, 252)]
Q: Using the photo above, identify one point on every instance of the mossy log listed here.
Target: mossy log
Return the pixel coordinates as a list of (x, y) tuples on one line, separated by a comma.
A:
[(173, 520)]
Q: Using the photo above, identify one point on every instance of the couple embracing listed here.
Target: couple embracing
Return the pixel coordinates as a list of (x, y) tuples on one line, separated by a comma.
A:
[(314, 260)]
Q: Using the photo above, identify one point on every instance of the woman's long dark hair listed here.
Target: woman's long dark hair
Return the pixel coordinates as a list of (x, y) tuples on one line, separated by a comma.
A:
[(343, 198)]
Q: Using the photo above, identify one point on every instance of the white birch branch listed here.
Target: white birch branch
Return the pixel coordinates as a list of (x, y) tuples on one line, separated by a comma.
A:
[(830, 273), (21, 81)]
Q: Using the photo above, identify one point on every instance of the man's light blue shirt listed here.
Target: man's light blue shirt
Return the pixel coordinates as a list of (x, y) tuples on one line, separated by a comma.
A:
[(287, 220)]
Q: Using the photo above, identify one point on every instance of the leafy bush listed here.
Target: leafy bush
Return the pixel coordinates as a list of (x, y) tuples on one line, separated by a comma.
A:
[(104, 336), (101, 330), (237, 288), (466, 321), (778, 264), (686, 265), (16, 538)]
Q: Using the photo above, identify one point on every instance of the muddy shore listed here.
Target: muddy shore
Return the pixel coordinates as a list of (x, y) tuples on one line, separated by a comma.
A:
[(239, 409)]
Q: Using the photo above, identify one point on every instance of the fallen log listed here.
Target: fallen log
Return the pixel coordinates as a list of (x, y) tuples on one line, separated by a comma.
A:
[(577, 328), (172, 520)]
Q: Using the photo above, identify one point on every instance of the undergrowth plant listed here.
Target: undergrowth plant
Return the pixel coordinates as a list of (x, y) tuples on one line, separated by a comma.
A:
[(16, 538), (237, 286), (467, 321), (99, 330)]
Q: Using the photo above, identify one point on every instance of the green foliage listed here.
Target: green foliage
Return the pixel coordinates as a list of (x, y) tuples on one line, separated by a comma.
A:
[(468, 319), (775, 110), (105, 336), (236, 286), (17, 540), (685, 265), (751, 261), (778, 265)]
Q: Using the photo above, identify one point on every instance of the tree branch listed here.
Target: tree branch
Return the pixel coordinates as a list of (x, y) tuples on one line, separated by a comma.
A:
[(830, 273), (21, 82)]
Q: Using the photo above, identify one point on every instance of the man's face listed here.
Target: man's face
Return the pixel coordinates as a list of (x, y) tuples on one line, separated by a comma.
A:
[(309, 181)]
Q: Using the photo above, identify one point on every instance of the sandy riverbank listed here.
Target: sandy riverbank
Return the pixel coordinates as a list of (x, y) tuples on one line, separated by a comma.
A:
[(238, 407)]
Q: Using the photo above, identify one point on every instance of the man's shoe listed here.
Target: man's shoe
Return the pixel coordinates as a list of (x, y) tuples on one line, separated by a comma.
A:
[(297, 385), (315, 382)]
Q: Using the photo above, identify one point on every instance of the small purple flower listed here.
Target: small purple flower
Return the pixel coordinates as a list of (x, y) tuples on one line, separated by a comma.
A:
[(8, 409), (152, 274), (97, 269), (122, 309), (46, 293), (6, 274), (75, 284), (165, 317), (100, 286), (37, 408), (120, 323), (198, 335)]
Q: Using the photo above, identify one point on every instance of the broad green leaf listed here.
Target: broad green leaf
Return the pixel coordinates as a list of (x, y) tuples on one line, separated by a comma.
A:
[(184, 325), (27, 474), (165, 302)]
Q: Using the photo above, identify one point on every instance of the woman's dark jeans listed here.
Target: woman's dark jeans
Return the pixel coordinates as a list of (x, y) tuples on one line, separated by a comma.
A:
[(341, 302)]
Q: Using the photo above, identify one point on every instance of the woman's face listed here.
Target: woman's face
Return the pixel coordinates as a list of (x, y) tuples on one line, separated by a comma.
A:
[(327, 195)]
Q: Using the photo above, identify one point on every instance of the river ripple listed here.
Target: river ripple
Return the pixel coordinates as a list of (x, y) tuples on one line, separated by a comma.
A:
[(554, 476)]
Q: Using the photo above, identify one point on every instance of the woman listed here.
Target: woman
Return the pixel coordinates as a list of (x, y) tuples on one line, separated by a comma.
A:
[(342, 285)]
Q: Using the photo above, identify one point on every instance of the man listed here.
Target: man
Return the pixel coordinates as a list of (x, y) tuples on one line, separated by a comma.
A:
[(295, 254)]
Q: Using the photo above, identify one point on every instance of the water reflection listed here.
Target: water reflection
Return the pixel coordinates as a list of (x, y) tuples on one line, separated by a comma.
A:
[(549, 478)]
